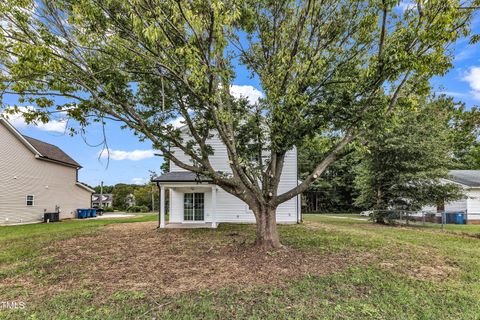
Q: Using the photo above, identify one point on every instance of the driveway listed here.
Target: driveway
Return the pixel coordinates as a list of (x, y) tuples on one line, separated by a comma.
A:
[(109, 215)]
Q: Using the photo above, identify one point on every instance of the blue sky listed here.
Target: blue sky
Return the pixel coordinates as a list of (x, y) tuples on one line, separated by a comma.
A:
[(131, 160)]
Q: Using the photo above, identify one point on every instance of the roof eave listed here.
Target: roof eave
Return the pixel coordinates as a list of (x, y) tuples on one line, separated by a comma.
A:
[(81, 185), (59, 162)]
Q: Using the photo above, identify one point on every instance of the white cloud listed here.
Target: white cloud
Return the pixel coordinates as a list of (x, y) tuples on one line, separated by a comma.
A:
[(251, 93), (138, 181), (406, 5), (18, 121), (452, 93), (473, 79), (134, 155), (177, 123)]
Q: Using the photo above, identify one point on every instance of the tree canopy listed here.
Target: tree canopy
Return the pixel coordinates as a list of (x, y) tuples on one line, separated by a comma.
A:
[(407, 157)]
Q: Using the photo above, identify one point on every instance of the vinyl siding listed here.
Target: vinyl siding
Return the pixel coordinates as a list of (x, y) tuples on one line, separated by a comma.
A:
[(219, 159), (229, 208), (459, 205), (471, 205), (473, 201), (22, 174)]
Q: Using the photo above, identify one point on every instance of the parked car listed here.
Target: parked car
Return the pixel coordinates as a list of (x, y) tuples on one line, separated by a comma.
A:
[(366, 213)]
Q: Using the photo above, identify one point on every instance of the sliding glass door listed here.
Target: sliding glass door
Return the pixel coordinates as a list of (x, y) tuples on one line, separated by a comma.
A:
[(194, 207)]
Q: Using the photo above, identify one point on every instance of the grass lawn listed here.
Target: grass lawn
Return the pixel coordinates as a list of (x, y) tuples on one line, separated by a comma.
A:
[(331, 269)]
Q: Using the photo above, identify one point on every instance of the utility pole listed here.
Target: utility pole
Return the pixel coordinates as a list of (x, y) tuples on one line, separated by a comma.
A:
[(101, 195)]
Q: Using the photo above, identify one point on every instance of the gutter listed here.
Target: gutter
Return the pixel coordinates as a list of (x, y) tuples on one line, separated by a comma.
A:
[(81, 185), (58, 162)]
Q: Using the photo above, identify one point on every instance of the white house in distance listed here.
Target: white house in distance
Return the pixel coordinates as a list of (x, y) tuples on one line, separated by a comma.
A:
[(470, 205), (197, 201), (102, 200), (37, 177)]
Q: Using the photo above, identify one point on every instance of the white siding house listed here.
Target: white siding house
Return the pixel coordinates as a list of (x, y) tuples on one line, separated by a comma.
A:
[(470, 205), (36, 177), (198, 201)]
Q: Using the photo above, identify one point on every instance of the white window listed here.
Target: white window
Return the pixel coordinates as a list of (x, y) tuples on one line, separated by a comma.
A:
[(30, 200)]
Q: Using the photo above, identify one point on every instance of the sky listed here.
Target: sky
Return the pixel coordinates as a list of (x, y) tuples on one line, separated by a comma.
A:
[(131, 160)]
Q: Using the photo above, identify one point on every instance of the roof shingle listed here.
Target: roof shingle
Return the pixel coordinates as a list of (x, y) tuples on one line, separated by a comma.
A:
[(469, 178), (51, 152), (181, 176)]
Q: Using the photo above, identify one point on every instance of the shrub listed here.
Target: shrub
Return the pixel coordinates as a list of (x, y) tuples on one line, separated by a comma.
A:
[(108, 209), (138, 209)]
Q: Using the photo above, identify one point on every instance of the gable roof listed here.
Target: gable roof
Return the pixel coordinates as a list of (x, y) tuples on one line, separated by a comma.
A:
[(470, 178), (42, 150), (107, 197), (49, 151)]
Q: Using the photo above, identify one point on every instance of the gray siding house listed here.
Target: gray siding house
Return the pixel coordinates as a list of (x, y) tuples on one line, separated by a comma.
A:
[(36, 177), (195, 201)]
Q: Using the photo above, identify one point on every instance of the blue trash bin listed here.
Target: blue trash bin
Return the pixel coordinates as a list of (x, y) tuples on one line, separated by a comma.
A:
[(82, 213), (93, 213), (459, 219)]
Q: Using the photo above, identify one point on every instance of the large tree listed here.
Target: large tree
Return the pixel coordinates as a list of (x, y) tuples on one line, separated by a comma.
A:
[(323, 66), (335, 189), (465, 126), (407, 156)]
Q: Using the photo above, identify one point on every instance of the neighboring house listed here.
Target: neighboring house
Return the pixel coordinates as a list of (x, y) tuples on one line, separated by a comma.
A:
[(130, 200), (197, 200), (470, 182), (106, 200), (36, 177)]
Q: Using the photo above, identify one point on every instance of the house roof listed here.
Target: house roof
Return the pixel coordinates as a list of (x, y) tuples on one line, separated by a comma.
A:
[(84, 186), (51, 152), (181, 176), (42, 150), (106, 197), (470, 178)]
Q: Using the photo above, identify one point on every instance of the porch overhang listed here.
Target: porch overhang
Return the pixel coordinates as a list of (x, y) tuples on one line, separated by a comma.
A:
[(182, 177)]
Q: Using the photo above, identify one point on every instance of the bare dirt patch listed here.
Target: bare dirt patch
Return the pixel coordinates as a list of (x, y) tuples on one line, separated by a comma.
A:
[(135, 256), (427, 265), (417, 261)]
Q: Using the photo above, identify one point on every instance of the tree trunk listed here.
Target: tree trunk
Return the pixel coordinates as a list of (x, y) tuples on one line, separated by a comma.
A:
[(267, 234), (380, 219)]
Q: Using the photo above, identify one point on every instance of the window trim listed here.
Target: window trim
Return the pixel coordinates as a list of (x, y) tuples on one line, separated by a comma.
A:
[(32, 200)]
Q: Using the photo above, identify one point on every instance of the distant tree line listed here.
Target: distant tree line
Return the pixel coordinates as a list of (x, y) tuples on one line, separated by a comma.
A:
[(141, 193)]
